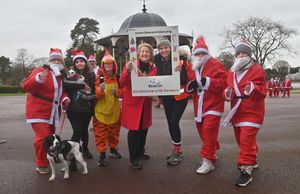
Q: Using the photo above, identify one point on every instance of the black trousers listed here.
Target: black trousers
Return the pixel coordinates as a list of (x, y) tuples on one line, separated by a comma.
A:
[(80, 123), (174, 110), (136, 143)]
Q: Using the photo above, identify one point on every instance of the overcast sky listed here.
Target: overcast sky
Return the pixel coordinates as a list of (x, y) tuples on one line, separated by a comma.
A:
[(38, 25)]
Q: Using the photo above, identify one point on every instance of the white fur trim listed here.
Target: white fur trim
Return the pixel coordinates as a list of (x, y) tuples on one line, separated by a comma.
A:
[(55, 53), (200, 94), (79, 56), (61, 104), (65, 98), (37, 121), (207, 84), (232, 112), (176, 143), (37, 78), (248, 124), (212, 112), (187, 86), (198, 50)]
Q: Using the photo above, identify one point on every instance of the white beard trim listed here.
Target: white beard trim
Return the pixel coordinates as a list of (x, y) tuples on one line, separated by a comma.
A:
[(240, 63), (199, 62), (56, 68)]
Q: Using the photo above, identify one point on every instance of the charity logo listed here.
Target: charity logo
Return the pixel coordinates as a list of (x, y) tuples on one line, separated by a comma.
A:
[(153, 83)]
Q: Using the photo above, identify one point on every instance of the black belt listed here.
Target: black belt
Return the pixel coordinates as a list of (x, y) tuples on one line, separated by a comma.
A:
[(242, 97), (44, 98)]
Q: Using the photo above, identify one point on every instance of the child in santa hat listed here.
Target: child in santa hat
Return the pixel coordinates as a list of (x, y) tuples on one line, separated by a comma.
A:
[(45, 95), (246, 92)]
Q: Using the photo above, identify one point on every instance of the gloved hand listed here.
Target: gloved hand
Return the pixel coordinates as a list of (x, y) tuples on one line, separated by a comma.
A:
[(65, 104), (114, 91), (203, 81), (192, 85), (102, 86)]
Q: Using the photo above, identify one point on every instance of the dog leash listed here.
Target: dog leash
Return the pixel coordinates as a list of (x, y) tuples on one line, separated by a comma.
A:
[(63, 121)]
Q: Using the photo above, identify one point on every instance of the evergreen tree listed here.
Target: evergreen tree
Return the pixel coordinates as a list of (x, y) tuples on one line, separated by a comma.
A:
[(83, 36), (5, 69)]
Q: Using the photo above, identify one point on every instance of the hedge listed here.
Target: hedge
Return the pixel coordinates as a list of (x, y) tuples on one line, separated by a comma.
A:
[(11, 89)]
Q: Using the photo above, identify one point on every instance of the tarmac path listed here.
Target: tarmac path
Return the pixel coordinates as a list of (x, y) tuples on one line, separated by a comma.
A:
[(278, 158)]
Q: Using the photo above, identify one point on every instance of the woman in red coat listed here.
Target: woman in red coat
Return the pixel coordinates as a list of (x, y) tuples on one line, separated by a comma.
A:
[(137, 110)]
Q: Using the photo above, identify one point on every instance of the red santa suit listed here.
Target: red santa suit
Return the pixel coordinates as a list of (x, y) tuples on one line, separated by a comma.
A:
[(276, 87), (271, 86), (286, 85), (208, 101), (42, 108), (247, 109)]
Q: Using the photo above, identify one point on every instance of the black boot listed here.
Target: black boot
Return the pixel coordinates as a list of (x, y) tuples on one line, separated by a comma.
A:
[(73, 165), (136, 164), (87, 154), (102, 159), (114, 153)]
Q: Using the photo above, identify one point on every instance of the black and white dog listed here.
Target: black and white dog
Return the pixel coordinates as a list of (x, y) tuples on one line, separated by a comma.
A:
[(63, 151)]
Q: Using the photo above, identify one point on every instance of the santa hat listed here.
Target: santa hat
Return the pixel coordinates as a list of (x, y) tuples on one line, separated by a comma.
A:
[(107, 58), (55, 53), (243, 46), (200, 46), (78, 54), (163, 42), (92, 58)]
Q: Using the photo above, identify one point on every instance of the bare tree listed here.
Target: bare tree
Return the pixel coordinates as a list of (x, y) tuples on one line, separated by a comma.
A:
[(227, 59), (40, 61), (22, 61), (268, 38)]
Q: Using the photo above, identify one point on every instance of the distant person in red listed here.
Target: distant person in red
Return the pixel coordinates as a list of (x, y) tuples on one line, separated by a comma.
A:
[(246, 92), (45, 95), (286, 85), (271, 86), (276, 87)]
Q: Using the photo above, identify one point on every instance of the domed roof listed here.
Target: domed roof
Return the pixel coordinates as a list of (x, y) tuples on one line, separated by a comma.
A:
[(143, 19)]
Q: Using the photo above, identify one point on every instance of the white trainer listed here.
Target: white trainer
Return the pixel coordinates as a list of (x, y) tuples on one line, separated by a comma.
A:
[(206, 167)]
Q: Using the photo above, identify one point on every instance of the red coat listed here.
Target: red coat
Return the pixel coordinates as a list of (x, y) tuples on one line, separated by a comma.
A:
[(276, 84), (213, 101), (134, 107), (251, 109), (287, 84), (39, 109), (271, 84)]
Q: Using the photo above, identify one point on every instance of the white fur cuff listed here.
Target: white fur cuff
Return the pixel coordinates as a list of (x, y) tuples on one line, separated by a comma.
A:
[(37, 78)]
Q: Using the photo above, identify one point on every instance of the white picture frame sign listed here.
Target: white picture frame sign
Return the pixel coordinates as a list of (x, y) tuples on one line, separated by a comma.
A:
[(154, 85)]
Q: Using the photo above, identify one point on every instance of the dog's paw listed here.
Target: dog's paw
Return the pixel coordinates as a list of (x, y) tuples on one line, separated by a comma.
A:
[(66, 176), (52, 178), (85, 172)]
